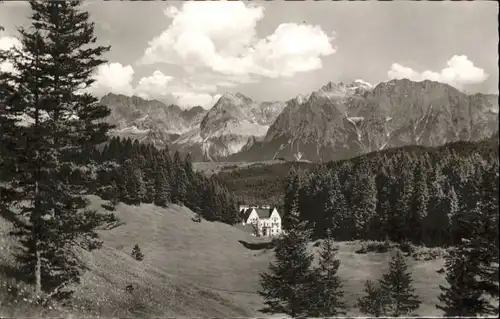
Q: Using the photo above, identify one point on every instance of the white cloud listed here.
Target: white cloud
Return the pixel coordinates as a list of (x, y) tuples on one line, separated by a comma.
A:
[(153, 86), (221, 36), (188, 99), (460, 71), (113, 77)]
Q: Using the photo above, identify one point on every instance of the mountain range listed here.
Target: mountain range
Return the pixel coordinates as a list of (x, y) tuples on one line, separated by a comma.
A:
[(338, 121)]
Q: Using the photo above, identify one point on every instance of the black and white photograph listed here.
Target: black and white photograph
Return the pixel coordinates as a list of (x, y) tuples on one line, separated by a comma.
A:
[(249, 159)]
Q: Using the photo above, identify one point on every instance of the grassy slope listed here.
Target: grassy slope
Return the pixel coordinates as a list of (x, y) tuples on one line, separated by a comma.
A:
[(194, 269)]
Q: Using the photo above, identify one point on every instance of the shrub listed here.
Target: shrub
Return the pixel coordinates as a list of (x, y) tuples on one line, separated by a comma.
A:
[(136, 253)]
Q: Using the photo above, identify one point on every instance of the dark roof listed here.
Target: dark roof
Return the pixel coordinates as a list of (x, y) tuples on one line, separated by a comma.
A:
[(263, 213)]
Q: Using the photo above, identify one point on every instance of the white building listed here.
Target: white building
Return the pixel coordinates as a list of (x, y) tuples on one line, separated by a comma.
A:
[(266, 220)]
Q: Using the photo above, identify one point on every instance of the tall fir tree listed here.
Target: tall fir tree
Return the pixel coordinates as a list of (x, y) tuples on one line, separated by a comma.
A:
[(136, 189), (435, 224), (403, 207), (54, 65), (335, 213), (162, 189), (291, 215), (285, 286), (179, 179), (397, 286), (373, 302), (471, 268), (326, 294), (419, 206), (365, 206)]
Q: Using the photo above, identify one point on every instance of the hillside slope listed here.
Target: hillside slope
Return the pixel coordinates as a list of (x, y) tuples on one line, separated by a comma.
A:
[(221, 272), (188, 267), (201, 269)]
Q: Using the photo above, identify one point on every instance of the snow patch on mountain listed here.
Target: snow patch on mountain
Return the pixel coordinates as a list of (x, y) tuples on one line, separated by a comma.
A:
[(133, 130)]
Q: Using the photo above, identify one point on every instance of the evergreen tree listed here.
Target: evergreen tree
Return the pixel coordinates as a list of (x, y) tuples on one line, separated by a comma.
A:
[(285, 286), (471, 269), (325, 298), (419, 207), (291, 214), (397, 286), (435, 224), (365, 206), (55, 63), (162, 190), (136, 189), (179, 179), (336, 215), (403, 206), (136, 253), (374, 302)]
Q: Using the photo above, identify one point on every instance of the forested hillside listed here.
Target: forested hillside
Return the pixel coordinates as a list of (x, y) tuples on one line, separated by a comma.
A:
[(410, 194), (145, 174)]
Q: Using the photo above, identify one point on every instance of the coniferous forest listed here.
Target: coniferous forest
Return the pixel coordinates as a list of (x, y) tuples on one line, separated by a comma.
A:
[(412, 194), (136, 173)]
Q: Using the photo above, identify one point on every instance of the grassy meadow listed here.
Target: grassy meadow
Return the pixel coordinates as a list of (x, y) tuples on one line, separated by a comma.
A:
[(197, 269)]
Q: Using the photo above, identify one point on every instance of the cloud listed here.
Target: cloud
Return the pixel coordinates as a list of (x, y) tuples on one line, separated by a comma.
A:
[(221, 37), (113, 77), (153, 86), (197, 89), (188, 99), (460, 71)]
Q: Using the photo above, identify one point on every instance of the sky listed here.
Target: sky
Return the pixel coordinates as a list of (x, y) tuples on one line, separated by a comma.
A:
[(189, 53)]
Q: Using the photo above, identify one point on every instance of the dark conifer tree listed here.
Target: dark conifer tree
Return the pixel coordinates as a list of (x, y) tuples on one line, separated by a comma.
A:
[(435, 224), (471, 268), (55, 63), (291, 200), (403, 206), (326, 294), (365, 206), (136, 189), (162, 190), (285, 286), (374, 302), (397, 287), (419, 206), (179, 180)]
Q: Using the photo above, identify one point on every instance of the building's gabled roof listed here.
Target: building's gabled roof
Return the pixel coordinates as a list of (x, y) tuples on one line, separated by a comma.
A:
[(262, 213)]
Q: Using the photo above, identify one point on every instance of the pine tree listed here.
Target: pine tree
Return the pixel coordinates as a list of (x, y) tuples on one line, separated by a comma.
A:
[(179, 179), (471, 268), (162, 190), (419, 207), (285, 286), (136, 189), (55, 63), (374, 302), (403, 206), (325, 298), (291, 200), (365, 206), (435, 224), (136, 253), (397, 286)]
